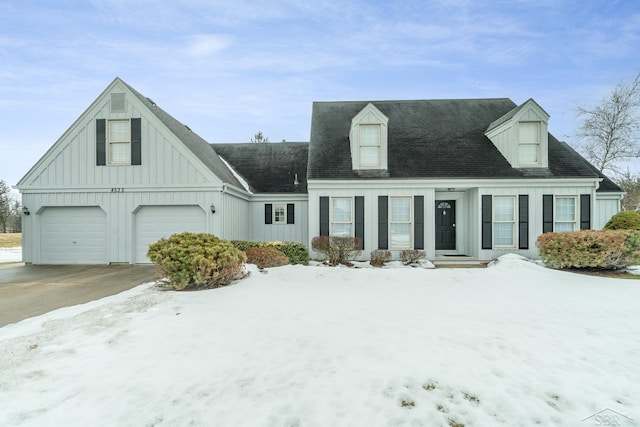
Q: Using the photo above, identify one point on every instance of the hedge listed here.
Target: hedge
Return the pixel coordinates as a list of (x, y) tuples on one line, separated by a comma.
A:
[(597, 249), (297, 253)]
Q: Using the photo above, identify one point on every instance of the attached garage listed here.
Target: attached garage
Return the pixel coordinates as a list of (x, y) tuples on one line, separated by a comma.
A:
[(155, 222), (73, 235)]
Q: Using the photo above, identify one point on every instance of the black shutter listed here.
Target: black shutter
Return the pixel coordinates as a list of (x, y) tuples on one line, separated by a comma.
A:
[(547, 213), (585, 211), (290, 213), (523, 221), (359, 226), (383, 222), (101, 142), (268, 213), (487, 218), (136, 142), (418, 222), (324, 216)]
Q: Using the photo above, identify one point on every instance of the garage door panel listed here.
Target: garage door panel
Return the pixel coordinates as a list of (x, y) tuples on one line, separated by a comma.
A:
[(155, 222), (73, 235)]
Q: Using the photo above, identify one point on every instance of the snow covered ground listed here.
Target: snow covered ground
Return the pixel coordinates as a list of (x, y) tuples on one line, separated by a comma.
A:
[(513, 344), (10, 255)]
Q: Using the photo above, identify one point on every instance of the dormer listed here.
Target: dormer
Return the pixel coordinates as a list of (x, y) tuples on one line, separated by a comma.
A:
[(368, 139), (522, 136)]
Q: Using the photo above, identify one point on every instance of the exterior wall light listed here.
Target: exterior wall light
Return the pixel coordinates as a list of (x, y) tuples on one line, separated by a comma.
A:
[(213, 208), (25, 210)]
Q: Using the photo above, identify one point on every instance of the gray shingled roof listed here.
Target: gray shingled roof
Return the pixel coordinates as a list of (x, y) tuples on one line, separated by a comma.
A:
[(269, 168), (431, 139), (191, 140)]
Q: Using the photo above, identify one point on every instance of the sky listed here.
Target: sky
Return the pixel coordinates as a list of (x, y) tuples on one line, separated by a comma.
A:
[(229, 69)]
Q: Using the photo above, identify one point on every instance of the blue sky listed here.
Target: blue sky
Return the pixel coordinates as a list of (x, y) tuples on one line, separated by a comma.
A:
[(230, 68)]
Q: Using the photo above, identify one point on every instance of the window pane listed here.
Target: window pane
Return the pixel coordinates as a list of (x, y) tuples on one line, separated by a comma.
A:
[(119, 131), (279, 214), (120, 153), (341, 230), (400, 210), (504, 208), (503, 234), (563, 226), (342, 210), (529, 132), (370, 155), (369, 135), (400, 235), (565, 209), (528, 153)]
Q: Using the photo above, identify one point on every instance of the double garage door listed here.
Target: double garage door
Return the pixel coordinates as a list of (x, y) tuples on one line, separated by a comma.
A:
[(78, 235)]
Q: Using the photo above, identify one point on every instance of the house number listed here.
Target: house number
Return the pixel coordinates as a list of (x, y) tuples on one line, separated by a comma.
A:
[(117, 190)]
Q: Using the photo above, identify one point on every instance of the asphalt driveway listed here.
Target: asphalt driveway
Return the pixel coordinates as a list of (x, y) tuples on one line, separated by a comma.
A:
[(31, 290)]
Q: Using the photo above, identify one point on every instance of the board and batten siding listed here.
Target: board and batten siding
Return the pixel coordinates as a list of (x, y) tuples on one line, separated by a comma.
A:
[(606, 205), (234, 212), (120, 209), (535, 214), (296, 232)]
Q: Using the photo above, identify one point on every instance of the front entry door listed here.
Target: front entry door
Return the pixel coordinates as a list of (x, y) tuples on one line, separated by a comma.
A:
[(445, 225)]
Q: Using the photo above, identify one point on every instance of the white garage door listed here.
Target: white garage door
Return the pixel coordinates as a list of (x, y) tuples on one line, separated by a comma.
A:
[(155, 222), (73, 235)]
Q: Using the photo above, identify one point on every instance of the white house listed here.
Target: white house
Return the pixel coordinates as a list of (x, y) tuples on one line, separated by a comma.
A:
[(455, 178)]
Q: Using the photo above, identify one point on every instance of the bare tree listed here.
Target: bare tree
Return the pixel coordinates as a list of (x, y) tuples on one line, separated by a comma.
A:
[(631, 185), (260, 138), (5, 205), (611, 130)]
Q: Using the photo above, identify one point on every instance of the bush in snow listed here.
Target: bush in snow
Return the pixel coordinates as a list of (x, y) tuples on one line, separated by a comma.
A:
[(338, 250), (625, 220), (601, 249), (266, 257), (380, 257), (197, 260), (411, 256), (297, 253)]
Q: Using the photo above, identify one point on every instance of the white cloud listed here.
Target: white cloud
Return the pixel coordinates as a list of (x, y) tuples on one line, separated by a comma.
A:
[(203, 45)]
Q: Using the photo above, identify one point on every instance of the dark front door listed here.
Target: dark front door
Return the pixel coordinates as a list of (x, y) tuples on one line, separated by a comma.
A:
[(445, 225)]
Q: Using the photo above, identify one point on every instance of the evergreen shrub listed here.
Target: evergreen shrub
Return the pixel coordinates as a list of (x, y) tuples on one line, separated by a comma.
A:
[(297, 253), (625, 220), (593, 249), (197, 260), (411, 256), (266, 257)]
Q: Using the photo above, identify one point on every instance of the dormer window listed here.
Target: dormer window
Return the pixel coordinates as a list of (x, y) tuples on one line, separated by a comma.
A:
[(369, 145), (529, 143), (368, 139)]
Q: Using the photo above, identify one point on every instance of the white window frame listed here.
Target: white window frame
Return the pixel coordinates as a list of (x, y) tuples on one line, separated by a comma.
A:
[(537, 144), (392, 222), (512, 222), (112, 141), (362, 145), (575, 212), (332, 220), (283, 219)]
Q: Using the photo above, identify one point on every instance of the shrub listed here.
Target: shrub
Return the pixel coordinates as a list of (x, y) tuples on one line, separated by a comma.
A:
[(625, 220), (296, 252), (266, 257), (380, 257), (197, 260), (411, 256), (600, 249), (338, 250)]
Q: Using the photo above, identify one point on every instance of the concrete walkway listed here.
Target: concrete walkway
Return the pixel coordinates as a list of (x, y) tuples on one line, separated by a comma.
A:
[(31, 290)]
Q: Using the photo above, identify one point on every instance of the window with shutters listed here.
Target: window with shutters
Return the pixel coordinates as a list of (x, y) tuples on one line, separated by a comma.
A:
[(119, 142), (400, 223), (504, 221), (565, 213), (341, 217)]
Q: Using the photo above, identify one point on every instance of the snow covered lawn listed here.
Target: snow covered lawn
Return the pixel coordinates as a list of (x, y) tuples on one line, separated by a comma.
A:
[(10, 255), (514, 344)]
